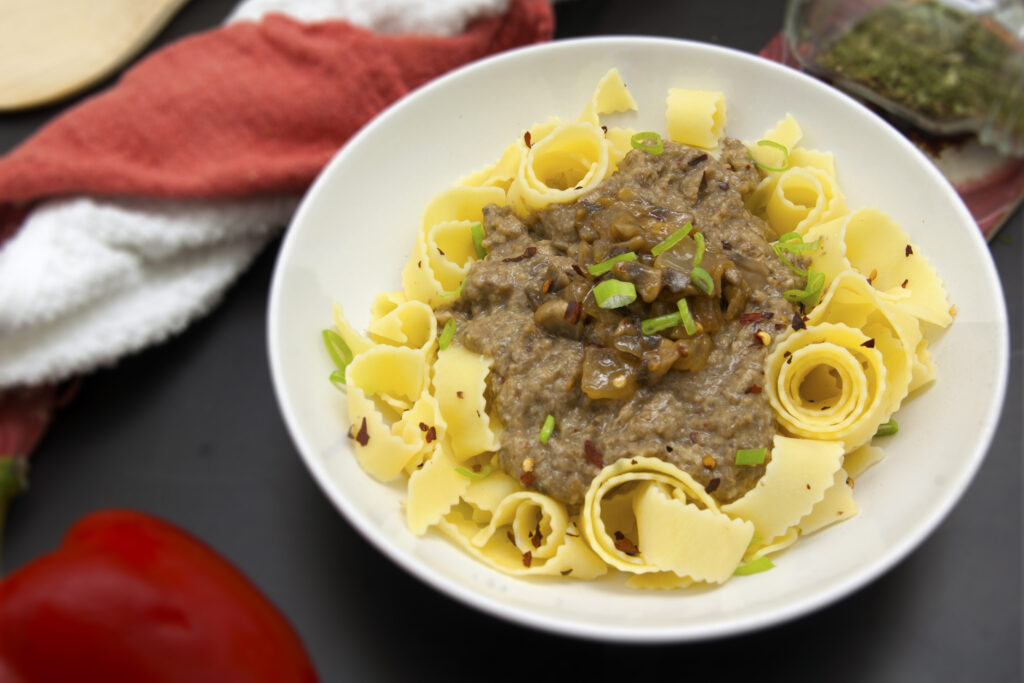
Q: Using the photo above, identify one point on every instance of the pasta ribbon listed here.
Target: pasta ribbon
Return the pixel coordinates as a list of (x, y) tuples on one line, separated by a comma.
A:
[(433, 490), (838, 504), (824, 382), (800, 472), (695, 117), (565, 163), (644, 515), (610, 96), (410, 323), (459, 383)]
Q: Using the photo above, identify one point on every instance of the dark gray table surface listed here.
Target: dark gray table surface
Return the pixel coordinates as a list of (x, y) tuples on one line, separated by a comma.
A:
[(190, 431)]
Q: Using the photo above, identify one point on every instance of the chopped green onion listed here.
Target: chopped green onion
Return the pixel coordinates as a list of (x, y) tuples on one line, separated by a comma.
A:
[(702, 279), (614, 293), (447, 334), (455, 292), (672, 239), (791, 242), (761, 564), (339, 352), (809, 295), (662, 322), (477, 231), (887, 428), (470, 474), (750, 456), (640, 140), (547, 429), (686, 317), (790, 237), (606, 265), (698, 256), (771, 143)]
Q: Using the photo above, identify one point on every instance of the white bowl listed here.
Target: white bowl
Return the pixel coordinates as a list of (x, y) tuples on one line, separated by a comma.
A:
[(355, 230)]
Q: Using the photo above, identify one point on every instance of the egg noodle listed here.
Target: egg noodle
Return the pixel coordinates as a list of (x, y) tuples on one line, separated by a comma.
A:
[(416, 399)]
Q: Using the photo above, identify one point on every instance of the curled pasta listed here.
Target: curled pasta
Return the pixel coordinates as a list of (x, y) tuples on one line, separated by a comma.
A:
[(644, 515), (695, 117), (565, 163), (825, 383)]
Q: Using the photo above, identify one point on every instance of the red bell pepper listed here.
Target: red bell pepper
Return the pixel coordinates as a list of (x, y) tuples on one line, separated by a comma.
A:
[(127, 597)]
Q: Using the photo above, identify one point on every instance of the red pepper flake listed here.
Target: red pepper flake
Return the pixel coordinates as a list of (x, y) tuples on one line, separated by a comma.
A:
[(752, 389), (527, 558), (527, 478), (546, 287), (423, 426), (726, 245), (909, 251), (459, 394), (537, 538), (573, 312), (431, 434), (712, 485), (363, 437), (623, 544), (755, 317), (904, 284), (529, 253), (697, 159), (633, 461), (798, 322), (605, 129), (566, 572), (526, 139), (593, 455), (869, 344), (579, 271), (419, 264)]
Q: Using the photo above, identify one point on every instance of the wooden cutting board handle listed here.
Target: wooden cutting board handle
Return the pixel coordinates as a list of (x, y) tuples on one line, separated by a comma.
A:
[(50, 49)]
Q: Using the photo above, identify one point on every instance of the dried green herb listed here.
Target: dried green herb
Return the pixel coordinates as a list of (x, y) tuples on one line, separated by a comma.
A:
[(933, 59)]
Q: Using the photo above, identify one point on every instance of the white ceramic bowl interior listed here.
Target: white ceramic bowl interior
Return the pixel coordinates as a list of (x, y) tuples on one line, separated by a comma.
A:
[(355, 230)]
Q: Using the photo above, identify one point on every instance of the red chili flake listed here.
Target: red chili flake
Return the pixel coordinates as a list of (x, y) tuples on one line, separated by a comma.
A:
[(431, 434), (527, 558), (578, 270), (439, 251), (904, 284), (605, 129), (789, 359), (546, 287), (798, 322), (726, 245), (363, 437), (625, 545), (459, 394), (526, 139), (869, 344), (752, 389), (527, 478), (423, 426), (668, 448), (419, 264), (566, 572), (909, 250), (593, 455), (530, 251), (537, 538), (573, 312), (633, 461), (755, 317), (712, 485), (697, 159)]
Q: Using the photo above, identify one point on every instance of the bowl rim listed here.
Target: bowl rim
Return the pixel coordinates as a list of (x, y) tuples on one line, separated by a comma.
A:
[(562, 626)]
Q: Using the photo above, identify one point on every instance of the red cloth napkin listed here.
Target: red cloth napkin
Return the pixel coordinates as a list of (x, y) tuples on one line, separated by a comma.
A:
[(242, 110)]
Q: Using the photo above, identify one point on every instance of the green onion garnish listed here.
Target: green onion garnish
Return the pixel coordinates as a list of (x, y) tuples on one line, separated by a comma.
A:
[(477, 231), (662, 322), (702, 279), (614, 293), (809, 295), (606, 265), (456, 292), (672, 239), (750, 456), (447, 334), (771, 143), (470, 474), (761, 564), (698, 256), (887, 428), (791, 242), (547, 429), (640, 141), (686, 317), (340, 353)]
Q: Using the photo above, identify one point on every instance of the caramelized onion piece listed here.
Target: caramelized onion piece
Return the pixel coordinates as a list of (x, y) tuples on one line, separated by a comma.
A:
[(608, 374)]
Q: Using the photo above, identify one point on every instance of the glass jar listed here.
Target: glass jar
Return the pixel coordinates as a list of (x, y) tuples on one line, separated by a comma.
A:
[(946, 67)]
